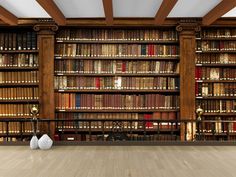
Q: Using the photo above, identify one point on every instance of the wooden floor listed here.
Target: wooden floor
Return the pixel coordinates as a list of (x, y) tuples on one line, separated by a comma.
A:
[(118, 161)]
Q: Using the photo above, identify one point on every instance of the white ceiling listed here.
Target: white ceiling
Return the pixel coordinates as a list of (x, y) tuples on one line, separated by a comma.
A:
[(81, 8), (121, 8), (193, 8), (135, 8)]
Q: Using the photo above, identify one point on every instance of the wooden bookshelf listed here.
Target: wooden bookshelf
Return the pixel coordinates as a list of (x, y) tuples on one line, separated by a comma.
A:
[(19, 76), (76, 44), (216, 94)]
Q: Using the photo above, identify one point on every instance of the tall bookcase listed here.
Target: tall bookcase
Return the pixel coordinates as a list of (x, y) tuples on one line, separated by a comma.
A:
[(19, 78), (215, 81), (116, 73)]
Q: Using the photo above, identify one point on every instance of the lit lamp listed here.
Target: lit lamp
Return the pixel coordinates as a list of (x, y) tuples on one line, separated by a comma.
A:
[(34, 111), (199, 112), (34, 140)]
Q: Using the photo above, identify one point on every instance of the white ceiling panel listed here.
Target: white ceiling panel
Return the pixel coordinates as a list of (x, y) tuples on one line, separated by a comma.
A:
[(81, 8), (24, 8), (135, 8), (193, 8), (231, 13)]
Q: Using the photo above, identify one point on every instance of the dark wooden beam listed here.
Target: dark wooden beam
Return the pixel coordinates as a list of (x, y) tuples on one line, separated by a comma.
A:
[(7, 16), (222, 8), (52, 9), (164, 10), (108, 10)]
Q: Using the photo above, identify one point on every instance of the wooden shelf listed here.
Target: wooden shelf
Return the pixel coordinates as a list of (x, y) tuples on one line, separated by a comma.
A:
[(216, 97), (115, 110), (16, 117), (79, 41), (217, 39), (18, 68), (217, 81), (217, 65), (106, 130), (117, 58), (219, 114), (19, 51), (119, 74), (15, 134), (217, 51), (20, 101), (18, 84), (116, 91)]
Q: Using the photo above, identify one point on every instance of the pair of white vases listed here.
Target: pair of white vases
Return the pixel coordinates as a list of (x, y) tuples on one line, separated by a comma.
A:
[(44, 143)]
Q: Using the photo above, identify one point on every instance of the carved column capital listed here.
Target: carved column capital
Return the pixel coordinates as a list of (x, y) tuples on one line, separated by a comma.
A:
[(45, 27), (189, 26)]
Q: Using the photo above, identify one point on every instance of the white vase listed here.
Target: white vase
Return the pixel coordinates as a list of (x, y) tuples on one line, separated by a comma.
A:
[(34, 142), (45, 142)]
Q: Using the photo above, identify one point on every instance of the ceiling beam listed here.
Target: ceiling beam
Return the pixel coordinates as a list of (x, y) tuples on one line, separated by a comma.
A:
[(108, 9), (164, 10), (52, 9), (8, 17), (222, 8)]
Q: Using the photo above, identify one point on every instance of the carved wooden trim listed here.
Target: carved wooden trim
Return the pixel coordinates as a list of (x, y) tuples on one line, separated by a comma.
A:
[(188, 26), (51, 27)]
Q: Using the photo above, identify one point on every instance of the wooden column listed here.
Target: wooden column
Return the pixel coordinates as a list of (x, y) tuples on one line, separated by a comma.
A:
[(46, 42), (187, 40)]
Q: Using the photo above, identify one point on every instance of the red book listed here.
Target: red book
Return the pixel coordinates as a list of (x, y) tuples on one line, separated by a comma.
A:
[(148, 117), (97, 82), (123, 66)]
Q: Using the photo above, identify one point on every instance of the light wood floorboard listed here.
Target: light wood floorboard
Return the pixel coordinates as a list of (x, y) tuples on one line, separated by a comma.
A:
[(118, 161)]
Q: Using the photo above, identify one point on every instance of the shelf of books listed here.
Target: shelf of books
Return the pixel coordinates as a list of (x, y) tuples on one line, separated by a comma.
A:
[(130, 74), (216, 80), (19, 80)]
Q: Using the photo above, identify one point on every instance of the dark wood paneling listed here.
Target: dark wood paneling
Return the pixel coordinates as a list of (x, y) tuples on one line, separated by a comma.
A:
[(46, 69), (187, 75)]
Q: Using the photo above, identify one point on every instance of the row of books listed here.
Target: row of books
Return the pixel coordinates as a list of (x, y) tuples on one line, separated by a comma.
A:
[(19, 93), (139, 83), (117, 34), (15, 127), (216, 58), (115, 101), (19, 77), (208, 73), (18, 41), (219, 127), (19, 60), (217, 106), (15, 109), (140, 120), (215, 89), (116, 50), (216, 45), (115, 66), (219, 33)]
